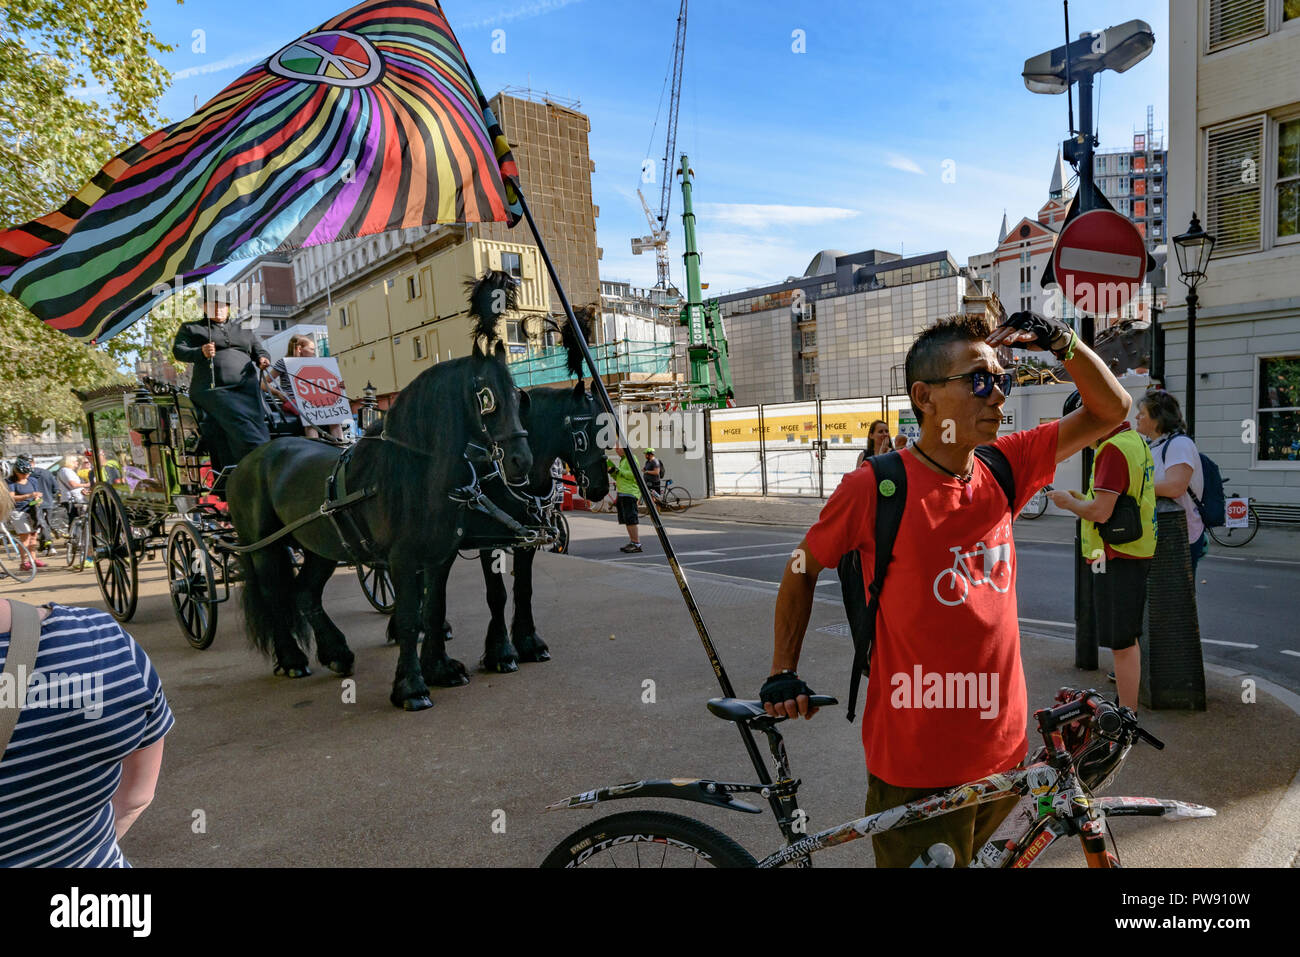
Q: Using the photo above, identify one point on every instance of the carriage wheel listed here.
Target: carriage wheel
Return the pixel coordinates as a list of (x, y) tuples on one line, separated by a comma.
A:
[(378, 587), (113, 552), (189, 579)]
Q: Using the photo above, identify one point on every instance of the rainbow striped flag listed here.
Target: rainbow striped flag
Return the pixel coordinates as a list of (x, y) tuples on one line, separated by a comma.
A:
[(373, 121)]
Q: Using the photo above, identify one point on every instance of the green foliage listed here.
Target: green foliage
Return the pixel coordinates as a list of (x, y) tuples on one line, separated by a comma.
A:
[(78, 84)]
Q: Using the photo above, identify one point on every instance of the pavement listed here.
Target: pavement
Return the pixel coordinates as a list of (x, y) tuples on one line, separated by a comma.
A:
[(263, 771)]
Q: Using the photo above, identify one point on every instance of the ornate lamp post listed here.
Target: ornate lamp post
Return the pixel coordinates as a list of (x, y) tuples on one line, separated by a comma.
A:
[(1193, 249)]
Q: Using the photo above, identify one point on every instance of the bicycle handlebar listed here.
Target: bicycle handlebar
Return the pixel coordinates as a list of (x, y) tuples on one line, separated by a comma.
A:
[(1109, 720)]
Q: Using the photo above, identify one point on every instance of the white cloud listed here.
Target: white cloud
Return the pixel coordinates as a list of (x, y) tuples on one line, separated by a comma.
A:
[(897, 161), (759, 216), (229, 63), (528, 10)]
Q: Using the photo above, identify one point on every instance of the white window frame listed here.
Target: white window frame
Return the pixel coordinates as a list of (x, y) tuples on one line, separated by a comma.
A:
[(1273, 144), (1240, 123), (1273, 23), (1255, 463)]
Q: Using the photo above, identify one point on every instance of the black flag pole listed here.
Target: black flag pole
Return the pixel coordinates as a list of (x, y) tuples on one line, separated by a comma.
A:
[(782, 806), (602, 394)]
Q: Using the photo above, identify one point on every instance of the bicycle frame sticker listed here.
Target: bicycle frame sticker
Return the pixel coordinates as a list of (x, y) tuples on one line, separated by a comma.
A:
[(1039, 844)]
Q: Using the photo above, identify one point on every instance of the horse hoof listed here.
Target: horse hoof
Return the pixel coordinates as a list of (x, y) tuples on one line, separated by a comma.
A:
[(449, 673), (532, 648), (417, 704), (282, 672), (501, 667), (340, 668)]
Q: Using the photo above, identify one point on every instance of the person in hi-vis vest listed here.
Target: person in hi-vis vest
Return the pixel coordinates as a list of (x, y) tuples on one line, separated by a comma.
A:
[(1122, 466)]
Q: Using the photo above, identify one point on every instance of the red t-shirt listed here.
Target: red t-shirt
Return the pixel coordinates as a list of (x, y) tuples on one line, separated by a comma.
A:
[(1111, 475), (946, 702)]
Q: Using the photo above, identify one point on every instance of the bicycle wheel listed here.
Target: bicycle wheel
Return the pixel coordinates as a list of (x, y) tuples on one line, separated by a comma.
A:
[(677, 499), (1036, 506), (74, 548), (12, 559), (648, 839), (1236, 537)]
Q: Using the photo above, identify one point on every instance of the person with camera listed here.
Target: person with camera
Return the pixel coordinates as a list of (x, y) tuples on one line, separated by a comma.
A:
[(1119, 541), (952, 501)]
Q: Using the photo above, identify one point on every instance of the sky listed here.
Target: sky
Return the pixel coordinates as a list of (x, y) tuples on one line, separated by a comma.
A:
[(825, 124)]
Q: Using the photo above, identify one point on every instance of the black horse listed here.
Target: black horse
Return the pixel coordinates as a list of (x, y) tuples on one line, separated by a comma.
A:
[(457, 420), (562, 423)]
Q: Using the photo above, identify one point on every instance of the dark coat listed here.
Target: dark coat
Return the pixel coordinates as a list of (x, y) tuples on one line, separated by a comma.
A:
[(236, 358)]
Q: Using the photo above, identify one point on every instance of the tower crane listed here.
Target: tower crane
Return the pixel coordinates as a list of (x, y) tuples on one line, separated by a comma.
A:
[(658, 238)]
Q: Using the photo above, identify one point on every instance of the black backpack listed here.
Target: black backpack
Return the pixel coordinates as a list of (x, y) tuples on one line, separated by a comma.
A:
[(860, 611)]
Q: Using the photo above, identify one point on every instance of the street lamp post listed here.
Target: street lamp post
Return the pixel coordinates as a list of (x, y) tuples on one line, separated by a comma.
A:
[(1193, 249), (1116, 48)]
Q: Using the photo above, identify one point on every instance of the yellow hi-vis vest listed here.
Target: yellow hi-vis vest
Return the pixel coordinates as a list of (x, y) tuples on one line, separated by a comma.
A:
[(1141, 485)]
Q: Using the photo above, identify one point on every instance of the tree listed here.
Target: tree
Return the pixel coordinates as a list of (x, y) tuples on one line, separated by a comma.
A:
[(55, 136)]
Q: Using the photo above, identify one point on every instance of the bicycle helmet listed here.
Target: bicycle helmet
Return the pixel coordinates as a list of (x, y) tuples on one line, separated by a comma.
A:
[(23, 464), (1074, 401)]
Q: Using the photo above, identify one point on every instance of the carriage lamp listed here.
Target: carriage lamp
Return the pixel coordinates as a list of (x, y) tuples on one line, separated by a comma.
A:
[(369, 412), (144, 414)]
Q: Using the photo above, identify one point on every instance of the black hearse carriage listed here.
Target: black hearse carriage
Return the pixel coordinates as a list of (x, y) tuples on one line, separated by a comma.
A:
[(152, 493)]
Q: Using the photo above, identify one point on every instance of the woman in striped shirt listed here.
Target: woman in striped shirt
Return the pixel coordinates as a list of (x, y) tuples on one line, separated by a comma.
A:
[(84, 756)]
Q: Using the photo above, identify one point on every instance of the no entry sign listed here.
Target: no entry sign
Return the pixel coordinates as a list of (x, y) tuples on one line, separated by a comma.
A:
[(1099, 261), (318, 389)]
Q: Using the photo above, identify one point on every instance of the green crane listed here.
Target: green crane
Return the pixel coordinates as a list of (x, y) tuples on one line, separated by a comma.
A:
[(706, 345)]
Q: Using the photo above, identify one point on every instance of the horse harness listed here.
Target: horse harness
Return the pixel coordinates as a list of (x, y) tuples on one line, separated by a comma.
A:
[(352, 528)]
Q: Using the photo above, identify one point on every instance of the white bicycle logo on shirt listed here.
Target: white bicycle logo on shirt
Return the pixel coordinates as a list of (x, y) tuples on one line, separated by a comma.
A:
[(959, 579)]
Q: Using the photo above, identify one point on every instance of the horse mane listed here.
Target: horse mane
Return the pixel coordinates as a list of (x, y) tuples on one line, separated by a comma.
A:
[(586, 316), (491, 296)]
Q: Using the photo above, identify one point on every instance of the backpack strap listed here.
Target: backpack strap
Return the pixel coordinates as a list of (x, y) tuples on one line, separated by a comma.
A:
[(24, 638), (890, 500), (997, 463)]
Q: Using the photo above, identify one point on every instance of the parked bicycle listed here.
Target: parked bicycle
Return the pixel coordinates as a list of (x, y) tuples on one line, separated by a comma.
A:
[(1086, 740), (1236, 537), (1036, 505), (669, 498), (77, 546), (15, 559)]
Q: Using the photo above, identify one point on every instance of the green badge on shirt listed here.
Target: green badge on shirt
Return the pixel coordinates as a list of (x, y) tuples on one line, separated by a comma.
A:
[(887, 488)]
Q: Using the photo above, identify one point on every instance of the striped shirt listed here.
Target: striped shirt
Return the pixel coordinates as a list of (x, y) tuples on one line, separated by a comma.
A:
[(92, 699)]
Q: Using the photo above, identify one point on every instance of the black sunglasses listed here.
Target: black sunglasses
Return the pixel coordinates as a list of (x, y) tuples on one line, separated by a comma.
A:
[(982, 382)]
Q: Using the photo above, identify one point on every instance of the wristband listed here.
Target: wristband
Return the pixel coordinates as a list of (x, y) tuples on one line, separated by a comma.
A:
[(1066, 354)]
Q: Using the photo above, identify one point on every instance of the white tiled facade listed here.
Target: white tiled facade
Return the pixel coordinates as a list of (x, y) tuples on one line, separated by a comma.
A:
[(1248, 320)]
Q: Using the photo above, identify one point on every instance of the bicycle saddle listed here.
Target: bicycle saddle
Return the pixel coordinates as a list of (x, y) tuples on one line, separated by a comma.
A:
[(740, 710)]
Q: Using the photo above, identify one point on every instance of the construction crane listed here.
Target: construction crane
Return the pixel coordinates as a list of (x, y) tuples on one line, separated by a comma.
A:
[(658, 238), (706, 343)]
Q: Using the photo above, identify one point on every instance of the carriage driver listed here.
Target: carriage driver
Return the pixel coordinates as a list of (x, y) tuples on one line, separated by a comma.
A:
[(224, 380)]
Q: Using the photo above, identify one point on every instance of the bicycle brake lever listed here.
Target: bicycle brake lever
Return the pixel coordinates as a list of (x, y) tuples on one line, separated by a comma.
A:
[(1150, 739)]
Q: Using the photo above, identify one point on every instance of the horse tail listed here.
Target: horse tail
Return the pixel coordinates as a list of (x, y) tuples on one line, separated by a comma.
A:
[(266, 582)]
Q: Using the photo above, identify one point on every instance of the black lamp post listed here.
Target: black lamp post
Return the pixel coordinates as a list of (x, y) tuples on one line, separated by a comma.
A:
[(1193, 249)]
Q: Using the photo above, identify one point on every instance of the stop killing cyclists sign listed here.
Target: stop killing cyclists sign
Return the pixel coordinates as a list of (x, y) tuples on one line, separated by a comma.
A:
[(1099, 261), (318, 390)]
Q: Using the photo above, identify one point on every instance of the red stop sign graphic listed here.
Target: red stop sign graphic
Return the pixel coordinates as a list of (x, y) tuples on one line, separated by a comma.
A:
[(1236, 510), (319, 386)]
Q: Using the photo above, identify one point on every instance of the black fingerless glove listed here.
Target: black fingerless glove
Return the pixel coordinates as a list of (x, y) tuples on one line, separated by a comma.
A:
[(785, 686), (1050, 335)]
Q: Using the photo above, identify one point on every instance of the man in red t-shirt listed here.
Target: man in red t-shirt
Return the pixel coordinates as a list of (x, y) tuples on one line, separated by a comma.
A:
[(946, 703)]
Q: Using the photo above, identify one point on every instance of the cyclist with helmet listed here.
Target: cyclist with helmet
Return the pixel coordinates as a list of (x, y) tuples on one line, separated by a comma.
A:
[(26, 493)]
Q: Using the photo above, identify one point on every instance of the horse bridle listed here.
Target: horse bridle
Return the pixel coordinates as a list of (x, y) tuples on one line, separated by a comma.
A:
[(578, 436), (490, 452)]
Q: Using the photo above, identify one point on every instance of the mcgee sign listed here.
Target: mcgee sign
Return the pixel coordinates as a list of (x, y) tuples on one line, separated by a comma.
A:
[(318, 390)]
